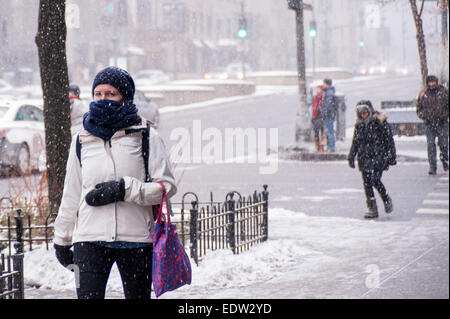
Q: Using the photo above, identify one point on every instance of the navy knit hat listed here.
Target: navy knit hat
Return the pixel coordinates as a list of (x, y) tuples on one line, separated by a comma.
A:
[(118, 78)]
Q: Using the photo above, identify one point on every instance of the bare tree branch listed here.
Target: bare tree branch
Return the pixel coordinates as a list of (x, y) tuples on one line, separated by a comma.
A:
[(421, 8)]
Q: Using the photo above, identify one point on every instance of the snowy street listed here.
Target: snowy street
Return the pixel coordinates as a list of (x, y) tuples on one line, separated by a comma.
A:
[(319, 244)]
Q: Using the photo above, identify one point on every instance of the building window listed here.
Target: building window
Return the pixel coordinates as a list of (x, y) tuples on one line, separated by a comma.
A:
[(4, 32), (209, 25), (194, 22), (122, 14), (145, 13), (219, 27)]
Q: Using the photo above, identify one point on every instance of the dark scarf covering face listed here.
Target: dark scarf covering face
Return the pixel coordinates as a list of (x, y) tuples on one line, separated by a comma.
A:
[(106, 117)]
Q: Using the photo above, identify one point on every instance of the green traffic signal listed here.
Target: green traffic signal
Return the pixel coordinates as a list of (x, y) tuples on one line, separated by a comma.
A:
[(312, 29), (242, 33)]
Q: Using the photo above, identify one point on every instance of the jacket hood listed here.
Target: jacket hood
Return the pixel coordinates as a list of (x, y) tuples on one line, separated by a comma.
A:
[(373, 114), (380, 115)]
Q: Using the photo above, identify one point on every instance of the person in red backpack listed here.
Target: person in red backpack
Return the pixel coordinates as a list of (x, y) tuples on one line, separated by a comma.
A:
[(106, 207), (317, 120)]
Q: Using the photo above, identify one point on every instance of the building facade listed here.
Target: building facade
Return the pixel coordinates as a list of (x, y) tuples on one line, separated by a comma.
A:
[(186, 38)]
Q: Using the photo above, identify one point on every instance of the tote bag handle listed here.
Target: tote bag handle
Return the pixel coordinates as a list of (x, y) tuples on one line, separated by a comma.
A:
[(163, 197)]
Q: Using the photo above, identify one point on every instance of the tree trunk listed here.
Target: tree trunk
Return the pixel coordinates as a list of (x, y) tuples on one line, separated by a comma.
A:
[(444, 41), (420, 40), (51, 43)]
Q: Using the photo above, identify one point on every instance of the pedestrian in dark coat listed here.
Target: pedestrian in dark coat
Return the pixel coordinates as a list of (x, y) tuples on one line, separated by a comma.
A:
[(374, 147), (432, 108), (329, 111)]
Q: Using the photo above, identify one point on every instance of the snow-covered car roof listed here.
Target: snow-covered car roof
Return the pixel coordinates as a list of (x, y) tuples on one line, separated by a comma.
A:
[(13, 106)]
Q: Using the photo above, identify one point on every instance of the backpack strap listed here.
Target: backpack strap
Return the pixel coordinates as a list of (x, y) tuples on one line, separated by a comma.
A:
[(146, 151), (78, 148)]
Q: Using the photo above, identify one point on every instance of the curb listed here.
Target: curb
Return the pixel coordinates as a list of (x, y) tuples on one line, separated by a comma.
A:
[(302, 154)]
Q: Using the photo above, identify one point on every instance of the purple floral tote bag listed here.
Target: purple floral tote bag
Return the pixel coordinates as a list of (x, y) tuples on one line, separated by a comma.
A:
[(171, 267)]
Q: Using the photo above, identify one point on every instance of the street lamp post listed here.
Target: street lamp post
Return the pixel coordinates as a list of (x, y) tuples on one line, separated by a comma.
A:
[(303, 122), (242, 35)]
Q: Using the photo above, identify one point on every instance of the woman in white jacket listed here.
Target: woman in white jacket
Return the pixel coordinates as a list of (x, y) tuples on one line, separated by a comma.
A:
[(106, 208)]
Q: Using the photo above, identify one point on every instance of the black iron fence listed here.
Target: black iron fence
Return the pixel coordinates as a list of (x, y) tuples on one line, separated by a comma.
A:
[(236, 224), (12, 278), (32, 233)]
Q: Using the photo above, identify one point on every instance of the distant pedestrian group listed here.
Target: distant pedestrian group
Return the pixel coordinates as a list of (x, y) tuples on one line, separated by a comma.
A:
[(324, 113)]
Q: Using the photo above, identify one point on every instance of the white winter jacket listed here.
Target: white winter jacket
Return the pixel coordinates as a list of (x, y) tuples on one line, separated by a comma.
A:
[(77, 110), (130, 220)]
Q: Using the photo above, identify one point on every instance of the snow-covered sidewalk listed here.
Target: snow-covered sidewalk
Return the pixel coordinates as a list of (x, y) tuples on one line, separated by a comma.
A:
[(305, 257)]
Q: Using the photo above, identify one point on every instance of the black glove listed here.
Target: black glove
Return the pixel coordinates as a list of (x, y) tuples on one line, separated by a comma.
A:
[(106, 193), (64, 255), (351, 163)]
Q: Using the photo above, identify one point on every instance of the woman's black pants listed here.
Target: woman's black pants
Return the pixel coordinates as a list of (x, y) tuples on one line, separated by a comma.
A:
[(95, 262), (371, 180)]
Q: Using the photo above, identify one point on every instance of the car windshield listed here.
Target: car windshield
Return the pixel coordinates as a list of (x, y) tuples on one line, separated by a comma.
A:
[(3, 111)]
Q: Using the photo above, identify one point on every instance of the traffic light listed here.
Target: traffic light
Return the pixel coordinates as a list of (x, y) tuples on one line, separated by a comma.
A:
[(312, 29), (361, 44), (294, 4), (242, 31)]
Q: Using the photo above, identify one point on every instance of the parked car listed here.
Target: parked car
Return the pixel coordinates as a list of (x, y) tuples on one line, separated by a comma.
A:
[(22, 136), (146, 107), (232, 71), (150, 77)]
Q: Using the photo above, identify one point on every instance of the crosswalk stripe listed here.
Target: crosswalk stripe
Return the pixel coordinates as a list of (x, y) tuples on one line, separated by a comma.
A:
[(432, 211), (436, 194), (437, 199), (435, 202)]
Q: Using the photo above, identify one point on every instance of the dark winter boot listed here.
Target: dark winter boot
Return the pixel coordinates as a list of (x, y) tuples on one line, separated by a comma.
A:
[(388, 205), (373, 209), (317, 143)]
